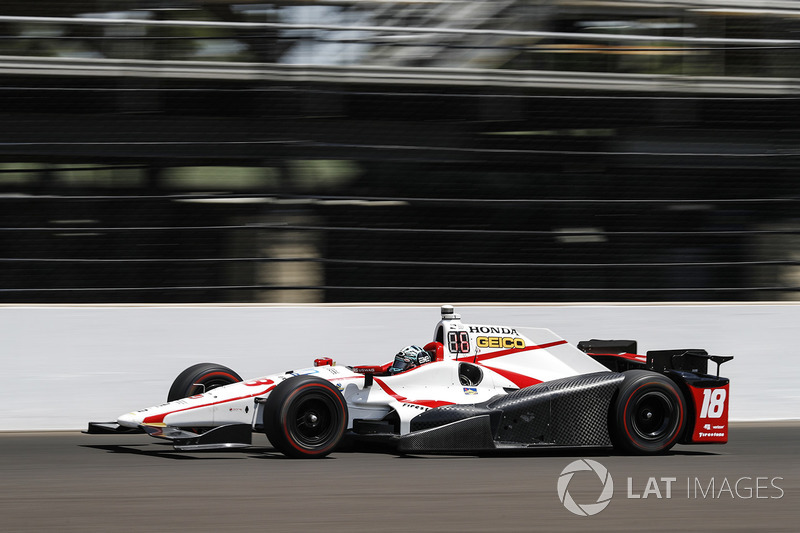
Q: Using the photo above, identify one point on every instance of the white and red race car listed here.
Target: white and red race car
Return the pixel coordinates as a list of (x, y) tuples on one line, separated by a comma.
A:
[(485, 388)]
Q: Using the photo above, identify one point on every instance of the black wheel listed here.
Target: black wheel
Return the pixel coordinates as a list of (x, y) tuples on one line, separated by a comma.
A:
[(649, 414), (201, 378), (305, 417)]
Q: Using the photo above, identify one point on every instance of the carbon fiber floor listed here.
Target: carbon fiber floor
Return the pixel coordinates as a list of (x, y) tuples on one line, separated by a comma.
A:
[(74, 482)]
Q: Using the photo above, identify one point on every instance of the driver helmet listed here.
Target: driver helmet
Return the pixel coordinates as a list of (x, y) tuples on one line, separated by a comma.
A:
[(408, 358)]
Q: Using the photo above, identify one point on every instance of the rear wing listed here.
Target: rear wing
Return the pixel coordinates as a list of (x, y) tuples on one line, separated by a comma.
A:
[(620, 355), (695, 361)]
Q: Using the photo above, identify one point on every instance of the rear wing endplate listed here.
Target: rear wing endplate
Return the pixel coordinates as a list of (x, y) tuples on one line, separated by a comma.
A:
[(690, 360)]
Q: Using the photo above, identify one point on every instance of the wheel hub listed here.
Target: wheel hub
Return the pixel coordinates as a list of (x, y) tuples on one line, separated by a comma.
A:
[(314, 420), (654, 416)]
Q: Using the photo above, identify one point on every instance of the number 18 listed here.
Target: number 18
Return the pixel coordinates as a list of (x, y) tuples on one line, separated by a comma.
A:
[(713, 403)]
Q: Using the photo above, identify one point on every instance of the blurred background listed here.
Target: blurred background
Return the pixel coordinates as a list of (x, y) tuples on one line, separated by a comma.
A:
[(420, 151)]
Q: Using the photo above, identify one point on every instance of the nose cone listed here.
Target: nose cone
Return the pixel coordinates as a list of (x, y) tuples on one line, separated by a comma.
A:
[(131, 420)]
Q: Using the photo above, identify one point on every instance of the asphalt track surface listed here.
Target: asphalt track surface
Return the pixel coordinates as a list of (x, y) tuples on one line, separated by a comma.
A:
[(67, 481)]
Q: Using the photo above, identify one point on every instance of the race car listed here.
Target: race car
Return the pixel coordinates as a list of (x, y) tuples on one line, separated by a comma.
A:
[(472, 389)]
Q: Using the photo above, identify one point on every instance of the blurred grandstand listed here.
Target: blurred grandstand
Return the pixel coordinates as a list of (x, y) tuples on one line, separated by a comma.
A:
[(374, 150)]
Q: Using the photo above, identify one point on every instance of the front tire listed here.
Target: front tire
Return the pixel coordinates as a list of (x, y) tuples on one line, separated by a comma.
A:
[(649, 415), (201, 378), (305, 417)]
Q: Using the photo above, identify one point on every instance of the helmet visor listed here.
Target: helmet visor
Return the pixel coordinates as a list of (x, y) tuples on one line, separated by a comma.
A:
[(401, 364)]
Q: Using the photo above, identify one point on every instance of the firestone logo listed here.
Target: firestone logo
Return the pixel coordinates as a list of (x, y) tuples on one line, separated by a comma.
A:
[(587, 509)]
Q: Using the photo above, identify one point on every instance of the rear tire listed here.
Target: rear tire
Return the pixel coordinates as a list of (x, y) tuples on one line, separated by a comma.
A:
[(305, 417), (649, 414), (201, 378)]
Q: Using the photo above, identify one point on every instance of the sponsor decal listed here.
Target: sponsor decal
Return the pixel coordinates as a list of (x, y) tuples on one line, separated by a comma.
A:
[(339, 386), (308, 372), (470, 390), (515, 343), (493, 329)]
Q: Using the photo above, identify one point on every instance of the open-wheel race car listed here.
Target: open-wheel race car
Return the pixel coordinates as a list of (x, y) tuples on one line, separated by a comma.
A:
[(472, 389)]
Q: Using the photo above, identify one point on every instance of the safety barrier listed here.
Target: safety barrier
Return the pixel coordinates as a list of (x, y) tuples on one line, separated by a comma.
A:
[(66, 365)]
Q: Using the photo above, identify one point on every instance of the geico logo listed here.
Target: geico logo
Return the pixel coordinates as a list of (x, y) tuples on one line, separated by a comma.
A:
[(500, 342)]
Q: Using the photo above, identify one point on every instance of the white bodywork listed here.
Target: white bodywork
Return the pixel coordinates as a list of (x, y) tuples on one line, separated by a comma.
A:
[(509, 358)]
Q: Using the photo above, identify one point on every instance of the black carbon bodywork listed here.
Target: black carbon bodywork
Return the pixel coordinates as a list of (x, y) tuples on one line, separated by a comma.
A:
[(453, 413), (471, 434), (566, 412), (110, 428)]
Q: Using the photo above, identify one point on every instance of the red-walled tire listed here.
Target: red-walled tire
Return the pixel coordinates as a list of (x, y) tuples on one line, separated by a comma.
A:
[(201, 378), (649, 414), (305, 417)]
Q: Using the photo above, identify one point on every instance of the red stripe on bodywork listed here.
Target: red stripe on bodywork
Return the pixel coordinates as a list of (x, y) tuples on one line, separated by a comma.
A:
[(520, 380), (157, 419), (430, 403), (501, 353), (388, 390), (425, 403), (630, 356)]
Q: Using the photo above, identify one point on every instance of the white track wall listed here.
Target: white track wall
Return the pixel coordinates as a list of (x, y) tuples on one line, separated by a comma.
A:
[(64, 366)]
